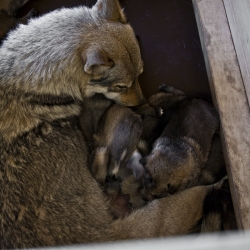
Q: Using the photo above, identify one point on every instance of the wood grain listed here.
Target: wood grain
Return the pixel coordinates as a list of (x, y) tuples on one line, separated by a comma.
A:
[(238, 14), (230, 98)]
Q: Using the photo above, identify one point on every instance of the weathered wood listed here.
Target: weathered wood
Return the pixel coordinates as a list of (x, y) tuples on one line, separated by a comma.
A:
[(229, 241), (230, 98), (238, 14)]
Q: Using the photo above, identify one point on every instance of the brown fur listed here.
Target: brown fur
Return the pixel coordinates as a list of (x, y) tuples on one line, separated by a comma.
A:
[(182, 150), (118, 132), (215, 167), (218, 210), (92, 110), (156, 114)]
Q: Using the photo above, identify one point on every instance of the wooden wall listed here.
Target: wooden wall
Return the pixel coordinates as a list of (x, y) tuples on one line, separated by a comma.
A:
[(224, 31)]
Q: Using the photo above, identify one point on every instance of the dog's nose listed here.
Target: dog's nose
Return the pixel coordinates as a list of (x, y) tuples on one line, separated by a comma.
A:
[(171, 189)]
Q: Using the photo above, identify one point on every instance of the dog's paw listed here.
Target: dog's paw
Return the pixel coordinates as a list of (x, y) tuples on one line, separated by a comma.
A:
[(166, 88), (159, 111), (170, 89)]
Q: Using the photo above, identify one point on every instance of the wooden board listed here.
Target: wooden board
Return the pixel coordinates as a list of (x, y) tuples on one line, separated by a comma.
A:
[(230, 98), (238, 14), (229, 241)]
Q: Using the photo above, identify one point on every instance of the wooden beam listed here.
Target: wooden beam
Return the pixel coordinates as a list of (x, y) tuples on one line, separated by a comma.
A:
[(230, 99), (238, 14)]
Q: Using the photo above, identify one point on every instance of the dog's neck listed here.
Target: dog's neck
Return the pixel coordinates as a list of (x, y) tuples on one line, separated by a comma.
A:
[(24, 112)]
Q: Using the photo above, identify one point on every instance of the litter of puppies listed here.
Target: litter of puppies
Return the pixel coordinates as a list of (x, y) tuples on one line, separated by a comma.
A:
[(160, 148)]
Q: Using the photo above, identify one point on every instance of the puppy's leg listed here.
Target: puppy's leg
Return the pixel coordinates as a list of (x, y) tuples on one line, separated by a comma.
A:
[(215, 168), (170, 89), (173, 215), (99, 166), (218, 210)]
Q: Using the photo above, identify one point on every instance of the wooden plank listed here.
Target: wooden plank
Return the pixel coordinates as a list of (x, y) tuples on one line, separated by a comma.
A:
[(238, 14), (229, 241), (230, 98)]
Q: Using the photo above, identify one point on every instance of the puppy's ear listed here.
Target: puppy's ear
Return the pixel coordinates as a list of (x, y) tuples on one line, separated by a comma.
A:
[(96, 62), (110, 10)]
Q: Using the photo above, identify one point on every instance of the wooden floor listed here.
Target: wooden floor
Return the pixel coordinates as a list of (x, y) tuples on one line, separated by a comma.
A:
[(225, 36)]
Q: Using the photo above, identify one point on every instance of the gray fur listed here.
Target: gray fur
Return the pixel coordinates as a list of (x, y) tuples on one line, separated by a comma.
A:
[(47, 59)]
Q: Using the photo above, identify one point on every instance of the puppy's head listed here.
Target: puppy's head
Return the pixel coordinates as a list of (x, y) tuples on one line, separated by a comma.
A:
[(111, 56), (172, 169)]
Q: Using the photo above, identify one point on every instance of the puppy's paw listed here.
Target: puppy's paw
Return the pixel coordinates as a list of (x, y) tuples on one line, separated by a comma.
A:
[(166, 88), (170, 89), (159, 111)]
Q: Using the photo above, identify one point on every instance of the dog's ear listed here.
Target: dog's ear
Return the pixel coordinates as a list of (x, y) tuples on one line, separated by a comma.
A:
[(110, 10), (96, 62)]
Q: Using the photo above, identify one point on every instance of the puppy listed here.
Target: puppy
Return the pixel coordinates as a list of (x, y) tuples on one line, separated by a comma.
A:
[(116, 134), (156, 114), (116, 138), (92, 109), (98, 119), (182, 150)]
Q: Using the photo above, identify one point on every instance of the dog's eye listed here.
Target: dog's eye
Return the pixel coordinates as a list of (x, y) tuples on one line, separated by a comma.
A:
[(121, 88)]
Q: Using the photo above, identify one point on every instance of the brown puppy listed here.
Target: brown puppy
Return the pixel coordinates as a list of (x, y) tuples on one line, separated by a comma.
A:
[(156, 114), (182, 150), (92, 109), (116, 138)]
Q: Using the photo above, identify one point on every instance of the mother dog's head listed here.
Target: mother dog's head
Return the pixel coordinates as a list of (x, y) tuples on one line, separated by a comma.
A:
[(77, 52), (112, 58)]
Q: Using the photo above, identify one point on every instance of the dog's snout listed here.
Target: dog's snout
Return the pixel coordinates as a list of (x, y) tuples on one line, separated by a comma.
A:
[(171, 189)]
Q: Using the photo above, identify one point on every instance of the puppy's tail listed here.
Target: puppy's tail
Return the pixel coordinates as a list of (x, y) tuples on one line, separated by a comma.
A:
[(218, 211)]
